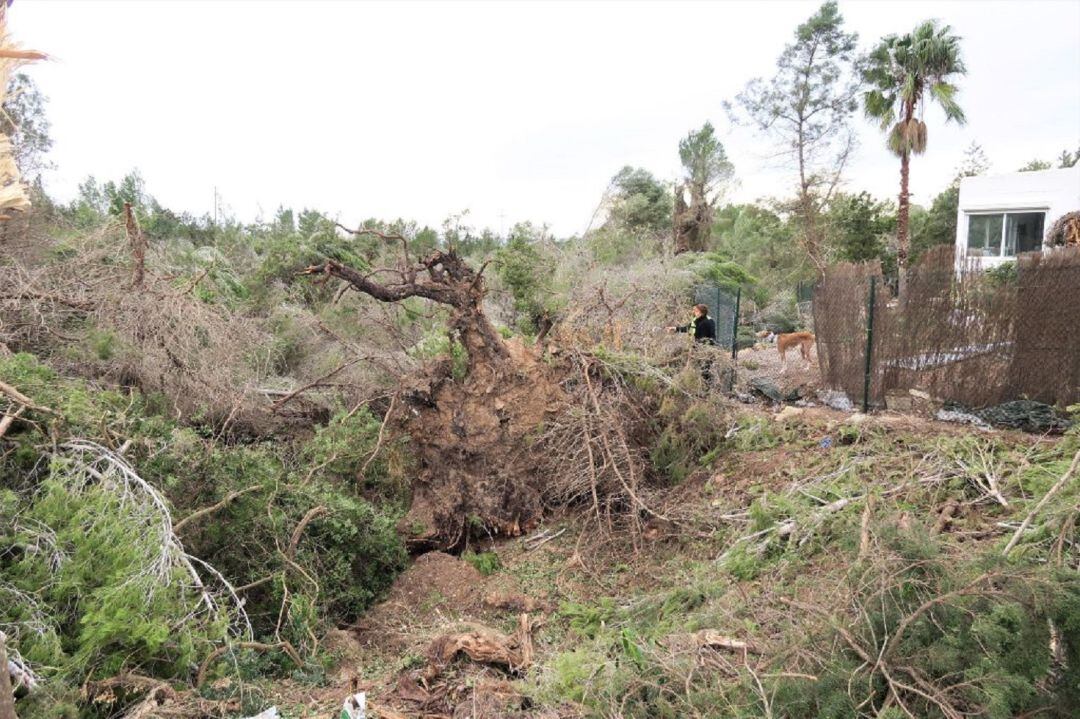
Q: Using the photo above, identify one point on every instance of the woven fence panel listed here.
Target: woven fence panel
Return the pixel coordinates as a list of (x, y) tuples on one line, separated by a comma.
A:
[(967, 336), (840, 315), (1046, 362)]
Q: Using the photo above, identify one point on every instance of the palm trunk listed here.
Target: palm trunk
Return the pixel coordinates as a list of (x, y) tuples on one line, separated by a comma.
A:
[(903, 242)]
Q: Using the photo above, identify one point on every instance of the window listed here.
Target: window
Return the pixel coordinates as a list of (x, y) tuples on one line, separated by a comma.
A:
[(1004, 234), (984, 235), (1023, 232)]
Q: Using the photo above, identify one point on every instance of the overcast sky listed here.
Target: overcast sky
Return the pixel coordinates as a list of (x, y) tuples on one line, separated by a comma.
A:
[(514, 111)]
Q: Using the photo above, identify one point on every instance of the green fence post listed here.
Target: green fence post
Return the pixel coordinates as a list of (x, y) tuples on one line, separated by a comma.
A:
[(869, 344), (735, 326), (734, 338), (716, 335)]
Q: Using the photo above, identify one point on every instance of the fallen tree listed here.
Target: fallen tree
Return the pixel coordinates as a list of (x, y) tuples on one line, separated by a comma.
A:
[(469, 432), (497, 440)]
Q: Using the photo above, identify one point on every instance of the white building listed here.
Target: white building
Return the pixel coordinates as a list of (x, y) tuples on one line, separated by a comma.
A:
[(1001, 216)]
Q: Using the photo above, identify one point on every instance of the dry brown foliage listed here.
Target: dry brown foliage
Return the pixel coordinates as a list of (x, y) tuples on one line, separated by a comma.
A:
[(82, 310)]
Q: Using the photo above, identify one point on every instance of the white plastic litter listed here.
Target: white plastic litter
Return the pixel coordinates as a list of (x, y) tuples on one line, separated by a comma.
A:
[(271, 713), (355, 707)]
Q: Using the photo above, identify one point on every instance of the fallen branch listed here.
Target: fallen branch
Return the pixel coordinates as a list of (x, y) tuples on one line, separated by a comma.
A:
[(712, 640), (294, 541), (284, 646), (22, 399), (1058, 486), (9, 419), (278, 404), (200, 513), (7, 696), (544, 540), (379, 439)]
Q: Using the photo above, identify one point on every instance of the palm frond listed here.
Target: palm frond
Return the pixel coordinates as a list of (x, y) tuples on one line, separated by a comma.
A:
[(945, 94)]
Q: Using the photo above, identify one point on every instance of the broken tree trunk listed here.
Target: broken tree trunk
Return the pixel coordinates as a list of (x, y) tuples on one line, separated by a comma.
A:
[(680, 227), (7, 696), (138, 246)]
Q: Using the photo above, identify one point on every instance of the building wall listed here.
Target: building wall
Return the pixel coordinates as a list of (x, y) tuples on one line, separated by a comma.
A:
[(1055, 191)]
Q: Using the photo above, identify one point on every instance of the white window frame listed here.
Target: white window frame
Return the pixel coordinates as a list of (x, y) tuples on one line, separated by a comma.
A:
[(1004, 227)]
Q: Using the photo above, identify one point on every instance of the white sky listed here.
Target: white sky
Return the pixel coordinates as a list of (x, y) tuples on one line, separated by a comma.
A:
[(515, 111)]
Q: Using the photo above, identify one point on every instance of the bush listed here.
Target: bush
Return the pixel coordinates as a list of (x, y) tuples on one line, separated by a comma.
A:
[(487, 563), (85, 605)]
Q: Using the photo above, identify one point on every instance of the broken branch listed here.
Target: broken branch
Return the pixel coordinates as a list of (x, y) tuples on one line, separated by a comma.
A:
[(1058, 486), (284, 646), (200, 513)]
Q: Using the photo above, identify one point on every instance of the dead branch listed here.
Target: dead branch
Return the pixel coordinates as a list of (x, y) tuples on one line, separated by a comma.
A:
[(227, 500), (278, 404), (195, 282), (47, 297), (379, 439)]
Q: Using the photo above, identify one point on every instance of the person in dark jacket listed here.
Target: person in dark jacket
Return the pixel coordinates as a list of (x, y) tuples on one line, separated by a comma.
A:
[(703, 327)]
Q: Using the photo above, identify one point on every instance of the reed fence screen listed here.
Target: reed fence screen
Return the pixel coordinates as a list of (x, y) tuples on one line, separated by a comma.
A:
[(968, 336)]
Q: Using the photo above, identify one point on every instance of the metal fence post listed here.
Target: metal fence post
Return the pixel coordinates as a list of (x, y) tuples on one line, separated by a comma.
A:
[(735, 326), (869, 344), (734, 338)]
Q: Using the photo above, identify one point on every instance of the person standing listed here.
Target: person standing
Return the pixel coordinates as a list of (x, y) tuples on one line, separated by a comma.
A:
[(702, 326)]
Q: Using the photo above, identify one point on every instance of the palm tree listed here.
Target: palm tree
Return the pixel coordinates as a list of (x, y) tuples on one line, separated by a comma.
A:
[(899, 73)]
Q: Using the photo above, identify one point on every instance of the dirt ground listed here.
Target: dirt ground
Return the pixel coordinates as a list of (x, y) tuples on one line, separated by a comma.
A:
[(443, 600), (763, 361)]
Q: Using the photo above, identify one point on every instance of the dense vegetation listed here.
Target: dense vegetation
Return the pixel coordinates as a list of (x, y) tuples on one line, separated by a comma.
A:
[(200, 478)]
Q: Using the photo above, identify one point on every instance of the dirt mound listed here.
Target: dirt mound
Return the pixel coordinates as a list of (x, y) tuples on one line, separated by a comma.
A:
[(455, 582)]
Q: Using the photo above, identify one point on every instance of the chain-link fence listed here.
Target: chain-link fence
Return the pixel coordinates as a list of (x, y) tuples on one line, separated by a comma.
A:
[(724, 310), (971, 337)]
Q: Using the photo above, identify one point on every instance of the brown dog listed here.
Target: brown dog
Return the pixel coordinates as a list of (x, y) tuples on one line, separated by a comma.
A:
[(804, 341)]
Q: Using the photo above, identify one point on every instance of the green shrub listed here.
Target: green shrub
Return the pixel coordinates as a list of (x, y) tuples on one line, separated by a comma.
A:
[(487, 563), (99, 619)]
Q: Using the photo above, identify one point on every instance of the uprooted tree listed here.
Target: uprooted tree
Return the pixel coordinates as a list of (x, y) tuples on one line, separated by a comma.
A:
[(485, 442), (466, 435)]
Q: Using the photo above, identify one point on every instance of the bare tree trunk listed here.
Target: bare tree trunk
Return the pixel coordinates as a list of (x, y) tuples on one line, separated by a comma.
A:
[(809, 230), (679, 223), (903, 242), (7, 697)]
